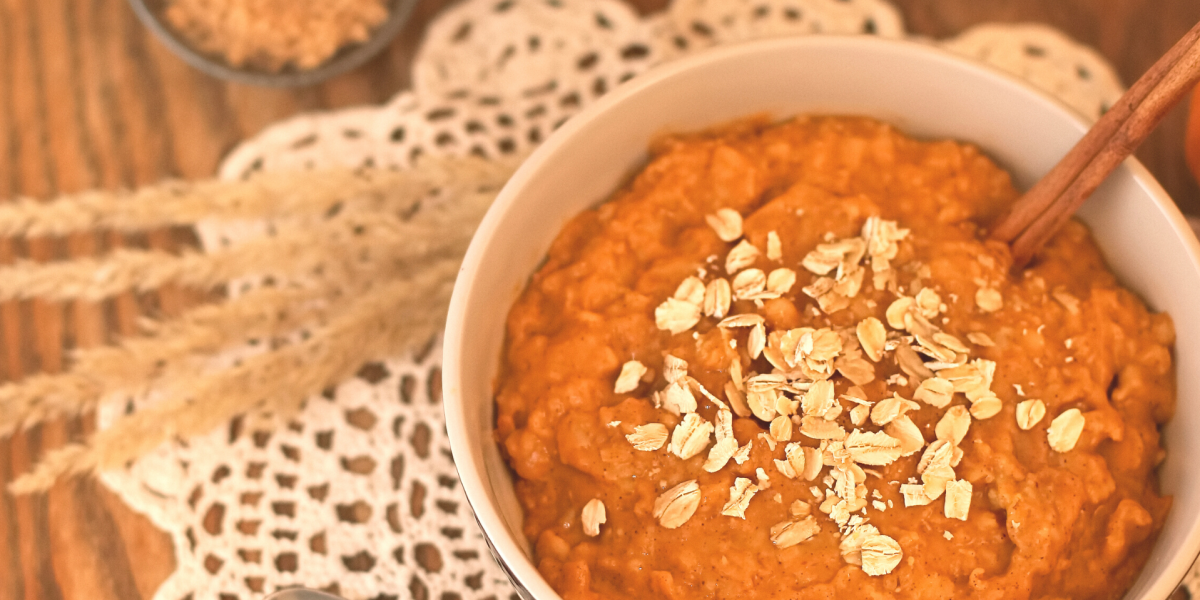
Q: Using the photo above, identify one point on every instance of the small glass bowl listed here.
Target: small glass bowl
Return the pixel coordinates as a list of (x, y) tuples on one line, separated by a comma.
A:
[(345, 59)]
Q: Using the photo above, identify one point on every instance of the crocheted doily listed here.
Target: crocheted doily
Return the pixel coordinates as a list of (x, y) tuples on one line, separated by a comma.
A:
[(357, 494)]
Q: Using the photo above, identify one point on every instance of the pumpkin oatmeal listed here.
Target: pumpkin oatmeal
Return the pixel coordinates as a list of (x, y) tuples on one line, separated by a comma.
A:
[(784, 362)]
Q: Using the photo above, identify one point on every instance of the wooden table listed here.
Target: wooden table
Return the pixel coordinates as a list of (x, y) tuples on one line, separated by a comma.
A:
[(89, 99)]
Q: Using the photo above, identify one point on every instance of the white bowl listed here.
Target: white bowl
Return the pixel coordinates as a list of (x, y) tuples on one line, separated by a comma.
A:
[(924, 91)]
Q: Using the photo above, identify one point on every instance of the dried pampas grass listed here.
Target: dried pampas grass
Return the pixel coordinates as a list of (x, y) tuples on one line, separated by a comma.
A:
[(362, 261)]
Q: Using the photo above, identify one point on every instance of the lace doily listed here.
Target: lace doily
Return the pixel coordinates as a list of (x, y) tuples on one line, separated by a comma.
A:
[(357, 494)]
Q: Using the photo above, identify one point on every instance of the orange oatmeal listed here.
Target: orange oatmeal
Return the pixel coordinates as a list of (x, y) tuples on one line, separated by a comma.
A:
[(784, 363)]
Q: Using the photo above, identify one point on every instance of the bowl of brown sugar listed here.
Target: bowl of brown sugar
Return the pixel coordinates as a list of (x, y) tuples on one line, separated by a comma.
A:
[(737, 331), (280, 43)]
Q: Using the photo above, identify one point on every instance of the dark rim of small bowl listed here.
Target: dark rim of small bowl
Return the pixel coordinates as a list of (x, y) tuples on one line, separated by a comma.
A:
[(342, 61)]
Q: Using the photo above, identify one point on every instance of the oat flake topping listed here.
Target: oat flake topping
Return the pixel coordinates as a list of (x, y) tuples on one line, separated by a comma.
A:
[(1065, 430), (690, 436), (1030, 413), (739, 498), (648, 437), (727, 223), (593, 517), (676, 315), (989, 299), (676, 505), (790, 533), (797, 398), (880, 554), (631, 373)]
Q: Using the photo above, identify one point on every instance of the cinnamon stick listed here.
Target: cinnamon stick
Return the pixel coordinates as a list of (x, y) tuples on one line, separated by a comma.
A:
[(1056, 183), (1173, 86)]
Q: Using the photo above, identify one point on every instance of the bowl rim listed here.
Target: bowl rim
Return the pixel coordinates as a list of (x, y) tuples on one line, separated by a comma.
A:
[(345, 59), (473, 475)]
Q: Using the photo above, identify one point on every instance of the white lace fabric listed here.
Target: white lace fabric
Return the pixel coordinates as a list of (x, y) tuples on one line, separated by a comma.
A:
[(358, 494)]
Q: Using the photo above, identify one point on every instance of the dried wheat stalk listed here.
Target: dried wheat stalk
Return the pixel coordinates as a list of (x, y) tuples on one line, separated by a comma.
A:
[(397, 316), (262, 196), (133, 365), (374, 280), (348, 242)]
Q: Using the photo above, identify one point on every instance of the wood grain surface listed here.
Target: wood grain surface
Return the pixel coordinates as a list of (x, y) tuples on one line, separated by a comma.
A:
[(89, 99)]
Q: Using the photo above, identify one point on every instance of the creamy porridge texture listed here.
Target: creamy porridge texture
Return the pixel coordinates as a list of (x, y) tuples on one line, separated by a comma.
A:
[(783, 363)]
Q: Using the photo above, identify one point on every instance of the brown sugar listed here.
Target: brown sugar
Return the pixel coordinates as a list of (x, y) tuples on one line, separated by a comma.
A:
[(271, 35)]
